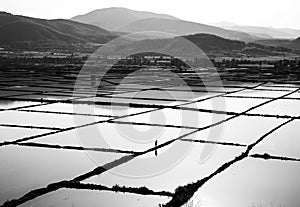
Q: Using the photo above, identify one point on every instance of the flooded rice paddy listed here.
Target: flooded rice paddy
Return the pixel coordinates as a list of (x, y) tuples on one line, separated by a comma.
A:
[(227, 146)]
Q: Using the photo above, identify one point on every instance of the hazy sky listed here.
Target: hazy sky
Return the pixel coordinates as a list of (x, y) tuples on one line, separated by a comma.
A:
[(276, 13)]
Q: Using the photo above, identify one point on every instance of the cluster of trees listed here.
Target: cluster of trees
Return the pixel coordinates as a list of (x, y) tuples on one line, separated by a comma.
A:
[(294, 64), (161, 61), (278, 64)]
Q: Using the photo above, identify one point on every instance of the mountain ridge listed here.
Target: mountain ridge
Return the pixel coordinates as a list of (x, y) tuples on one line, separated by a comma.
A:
[(211, 45), (118, 17), (16, 28), (264, 32), (121, 20)]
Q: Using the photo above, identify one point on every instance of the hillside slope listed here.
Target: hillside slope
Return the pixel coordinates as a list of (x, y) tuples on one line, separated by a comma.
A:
[(291, 44), (211, 45), (14, 28), (116, 17), (180, 27), (263, 32)]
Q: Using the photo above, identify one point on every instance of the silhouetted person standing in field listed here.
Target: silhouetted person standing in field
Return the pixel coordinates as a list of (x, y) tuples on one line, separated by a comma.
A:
[(155, 148)]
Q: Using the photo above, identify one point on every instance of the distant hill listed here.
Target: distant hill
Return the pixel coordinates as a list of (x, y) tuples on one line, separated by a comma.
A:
[(291, 44), (116, 17), (15, 28), (263, 32), (126, 20), (180, 27), (296, 43), (210, 44), (293, 32)]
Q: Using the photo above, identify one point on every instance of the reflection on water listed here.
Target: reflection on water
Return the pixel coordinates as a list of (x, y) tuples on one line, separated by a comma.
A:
[(244, 129), (227, 104), (26, 168), (178, 118), (6, 104), (252, 183), (187, 170), (89, 109), (172, 94), (114, 136), (14, 133), (44, 119), (64, 198), (280, 107), (284, 142), (258, 93)]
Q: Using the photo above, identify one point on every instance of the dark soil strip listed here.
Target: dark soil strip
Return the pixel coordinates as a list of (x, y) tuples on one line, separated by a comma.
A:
[(141, 98), (266, 156), (227, 86), (23, 107), (35, 193), (247, 97), (30, 127), (99, 103), (28, 138), (51, 146), (236, 113), (282, 86), (73, 100), (101, 169), (192, 90), (257, 97), (212, 142), (273, 116), (66, 113), (271, 89), (123, 189), (148, 124), (208, 111), (184, 193)]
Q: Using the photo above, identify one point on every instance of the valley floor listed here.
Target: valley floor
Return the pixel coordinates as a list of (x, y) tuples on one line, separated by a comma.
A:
[(148, 139)]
